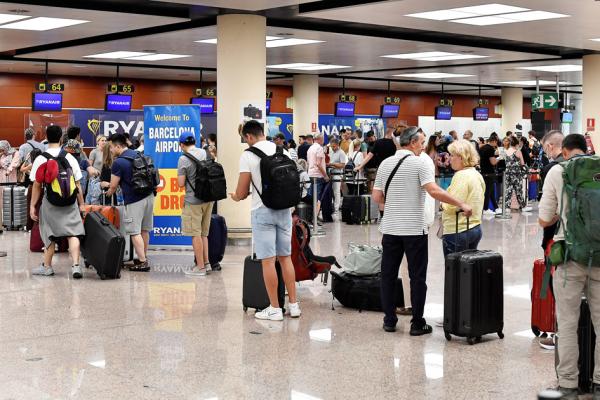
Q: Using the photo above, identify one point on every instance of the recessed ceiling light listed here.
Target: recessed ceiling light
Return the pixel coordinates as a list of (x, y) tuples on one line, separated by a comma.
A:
[(43, 24), (490, 9), (532, 83), (533, 16), (290, 42), (118, 54), (4, 18), (433, 75), (209, 41), (434, 56), (555, 68), (157, 57), (307, 66), (485, 21), (441, 15), (270, 38)]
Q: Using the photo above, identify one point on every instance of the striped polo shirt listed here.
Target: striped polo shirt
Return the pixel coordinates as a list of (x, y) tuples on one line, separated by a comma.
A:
[(404, 213)]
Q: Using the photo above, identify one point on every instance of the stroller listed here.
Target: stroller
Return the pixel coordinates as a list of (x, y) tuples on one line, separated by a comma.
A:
[(307, 265)]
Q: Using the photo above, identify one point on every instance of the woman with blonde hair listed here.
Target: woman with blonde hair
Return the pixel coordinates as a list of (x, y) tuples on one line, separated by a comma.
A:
[(468, 186), (96, 154)]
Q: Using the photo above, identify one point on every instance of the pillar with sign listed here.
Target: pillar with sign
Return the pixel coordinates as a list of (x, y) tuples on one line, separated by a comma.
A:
[(591, 96), (241, 84), (512, 108), (306, 104)]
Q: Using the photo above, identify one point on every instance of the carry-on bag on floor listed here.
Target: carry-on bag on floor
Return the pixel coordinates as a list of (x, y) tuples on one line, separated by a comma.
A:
[(254, 292), (14, 207), (103, 246), (586, 338), (217, 241), (361, 292), (307, 265), (543, 314), (305, 212), (354, 210), (473, 294)]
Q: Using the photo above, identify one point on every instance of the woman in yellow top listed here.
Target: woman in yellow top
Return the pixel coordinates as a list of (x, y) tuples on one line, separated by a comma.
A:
[(467, 185)]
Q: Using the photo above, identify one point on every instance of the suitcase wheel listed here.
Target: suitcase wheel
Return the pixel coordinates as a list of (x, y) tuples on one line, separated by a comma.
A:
[(501, 335), (448, 336), (245, 309), (471, 340)]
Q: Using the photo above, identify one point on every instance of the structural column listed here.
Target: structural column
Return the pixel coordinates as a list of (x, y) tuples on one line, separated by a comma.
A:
[(306, 104), (591, 97), (241, 80), (512, 108)]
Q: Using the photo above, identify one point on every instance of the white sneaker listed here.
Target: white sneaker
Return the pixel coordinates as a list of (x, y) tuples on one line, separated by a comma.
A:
[(208, 268), (270, 313), (295, 311), (43, 271), (498, 211), (76, 272), (195, 271), (489, 212), (526, 209)]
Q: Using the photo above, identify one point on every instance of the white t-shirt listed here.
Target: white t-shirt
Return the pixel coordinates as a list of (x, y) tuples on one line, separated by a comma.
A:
[(358, 158), (250, 162), (39, 160), (429, 201)]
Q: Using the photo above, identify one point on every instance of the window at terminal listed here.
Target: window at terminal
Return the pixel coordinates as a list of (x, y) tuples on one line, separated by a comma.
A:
[(343, 109), (566, 117), (118, 102), (390, 110), (207, 104), (481, 114), (443, 113), (46, 102)]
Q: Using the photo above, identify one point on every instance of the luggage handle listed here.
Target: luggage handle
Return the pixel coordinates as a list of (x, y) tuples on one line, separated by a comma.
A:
[(456, 233)]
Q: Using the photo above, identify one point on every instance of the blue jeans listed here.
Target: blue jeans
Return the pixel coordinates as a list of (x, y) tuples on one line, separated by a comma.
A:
[(271, 232), (467, 240)]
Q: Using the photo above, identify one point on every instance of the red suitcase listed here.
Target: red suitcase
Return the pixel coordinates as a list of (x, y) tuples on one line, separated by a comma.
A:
[(543, 314), (36, 244)]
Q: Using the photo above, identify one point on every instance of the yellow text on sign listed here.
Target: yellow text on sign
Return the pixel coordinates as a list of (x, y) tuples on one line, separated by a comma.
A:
[(169, 199)]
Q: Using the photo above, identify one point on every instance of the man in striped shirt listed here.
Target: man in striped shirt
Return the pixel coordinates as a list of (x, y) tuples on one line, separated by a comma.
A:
[(400, 185)]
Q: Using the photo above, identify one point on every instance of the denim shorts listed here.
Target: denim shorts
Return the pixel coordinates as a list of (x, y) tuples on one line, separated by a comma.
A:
[(272, 232)]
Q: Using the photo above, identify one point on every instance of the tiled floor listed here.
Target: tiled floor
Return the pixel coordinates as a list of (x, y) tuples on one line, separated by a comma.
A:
[(161, 335)]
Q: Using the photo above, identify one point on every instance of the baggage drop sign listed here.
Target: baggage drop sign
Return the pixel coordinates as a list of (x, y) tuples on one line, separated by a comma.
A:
[(162, 127)]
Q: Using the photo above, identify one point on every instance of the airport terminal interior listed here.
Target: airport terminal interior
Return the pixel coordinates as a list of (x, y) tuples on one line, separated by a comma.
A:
[(359, 72)]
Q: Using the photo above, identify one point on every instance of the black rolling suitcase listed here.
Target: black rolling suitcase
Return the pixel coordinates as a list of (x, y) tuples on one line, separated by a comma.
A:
[(103, 246), (254, 292), (217, 241), (586, 337), (354, 210), (473, 294)]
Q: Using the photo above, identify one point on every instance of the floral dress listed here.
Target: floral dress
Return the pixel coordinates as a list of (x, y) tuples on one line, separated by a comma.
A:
[(514, 181)]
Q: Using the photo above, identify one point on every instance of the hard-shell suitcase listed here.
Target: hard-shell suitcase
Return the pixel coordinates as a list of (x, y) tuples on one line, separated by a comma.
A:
[(473, 295), (14, 207), (354, 210), (362, 292), (543, 314), (372, 208), (111, 213), (217, 241), (129, 254), (103, 246), (254, 292), (305, 212), (586, 337)]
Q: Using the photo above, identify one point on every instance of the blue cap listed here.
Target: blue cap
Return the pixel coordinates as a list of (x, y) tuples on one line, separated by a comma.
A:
[(187, 137)]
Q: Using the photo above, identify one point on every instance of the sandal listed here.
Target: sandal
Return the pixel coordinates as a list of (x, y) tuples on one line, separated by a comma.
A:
[(141, 267)]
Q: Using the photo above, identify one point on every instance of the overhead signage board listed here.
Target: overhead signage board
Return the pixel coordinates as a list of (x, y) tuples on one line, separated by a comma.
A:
[(545, 101)]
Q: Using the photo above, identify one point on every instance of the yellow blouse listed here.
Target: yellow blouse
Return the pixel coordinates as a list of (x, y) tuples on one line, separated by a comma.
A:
[(467, 185)]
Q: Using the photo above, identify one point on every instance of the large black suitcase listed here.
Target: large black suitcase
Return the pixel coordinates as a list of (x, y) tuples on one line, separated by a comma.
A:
[(362, 292), (473, 295), (254, 292), (217, 241), (103, 246), (586, 337), (354, 210)]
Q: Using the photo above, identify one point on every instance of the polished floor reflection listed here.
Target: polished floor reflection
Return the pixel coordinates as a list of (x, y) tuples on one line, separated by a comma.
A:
[(161, 335)]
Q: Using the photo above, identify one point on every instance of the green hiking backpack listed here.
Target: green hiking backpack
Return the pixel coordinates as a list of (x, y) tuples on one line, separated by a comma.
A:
[(582, 186)]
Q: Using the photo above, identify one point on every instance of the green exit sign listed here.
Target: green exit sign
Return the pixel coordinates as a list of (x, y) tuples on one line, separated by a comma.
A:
[(546, 101)]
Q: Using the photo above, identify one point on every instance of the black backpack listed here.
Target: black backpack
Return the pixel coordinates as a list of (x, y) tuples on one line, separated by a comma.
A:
[(34, 153), (144, 176), (210, 184), (280, 180), (349, 167), (62, 191)]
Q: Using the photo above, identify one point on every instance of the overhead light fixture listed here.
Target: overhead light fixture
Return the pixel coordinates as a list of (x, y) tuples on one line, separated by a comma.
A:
[(290, 42), (118, 54), (534, 16), (433, 75), (157, 57), (5, 18), (433, 56), (273, 41), (43, 24), (466, 12), (555, 68), (484, 21), (532, 83), (307, 66)]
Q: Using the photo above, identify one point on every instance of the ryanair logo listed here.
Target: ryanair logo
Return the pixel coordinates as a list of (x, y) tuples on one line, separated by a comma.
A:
[(93, 126), (290, 129)]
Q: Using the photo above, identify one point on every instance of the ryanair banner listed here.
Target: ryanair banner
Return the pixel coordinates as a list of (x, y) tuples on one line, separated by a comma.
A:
[(162, 127)]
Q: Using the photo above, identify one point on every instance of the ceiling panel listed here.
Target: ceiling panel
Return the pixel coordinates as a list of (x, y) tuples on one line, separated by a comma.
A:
[(574, 31), (101, 23), (249, 5)]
